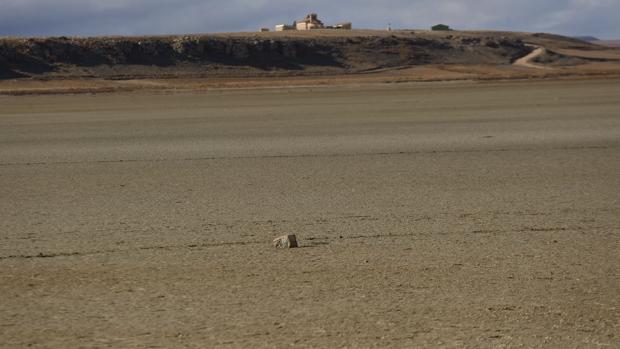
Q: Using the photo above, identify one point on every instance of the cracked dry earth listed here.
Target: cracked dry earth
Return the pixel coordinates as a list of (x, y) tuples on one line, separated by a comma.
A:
[(480, 215)]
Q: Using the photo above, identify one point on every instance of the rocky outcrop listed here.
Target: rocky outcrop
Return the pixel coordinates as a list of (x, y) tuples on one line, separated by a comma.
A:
[(57, 56)]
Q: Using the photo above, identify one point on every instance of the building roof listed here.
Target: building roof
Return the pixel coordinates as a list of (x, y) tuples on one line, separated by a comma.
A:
[(311, 18)]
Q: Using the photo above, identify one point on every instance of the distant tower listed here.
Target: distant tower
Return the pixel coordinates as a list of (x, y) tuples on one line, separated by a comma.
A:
[(389, 28)]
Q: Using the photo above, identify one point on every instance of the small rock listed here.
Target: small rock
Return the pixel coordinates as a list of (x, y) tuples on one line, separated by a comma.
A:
[(286, 241)]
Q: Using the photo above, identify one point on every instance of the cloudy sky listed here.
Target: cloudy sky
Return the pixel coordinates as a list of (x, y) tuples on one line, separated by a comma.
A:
[(600, 18)]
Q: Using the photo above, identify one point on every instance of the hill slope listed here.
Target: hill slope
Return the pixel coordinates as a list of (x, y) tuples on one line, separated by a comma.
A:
[(321, 52)]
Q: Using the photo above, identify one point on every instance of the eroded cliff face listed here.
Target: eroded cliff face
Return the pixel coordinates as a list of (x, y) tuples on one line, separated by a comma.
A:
[(199, 54)]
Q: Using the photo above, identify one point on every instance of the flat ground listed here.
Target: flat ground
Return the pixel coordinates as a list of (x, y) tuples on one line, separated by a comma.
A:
[(430, 215)]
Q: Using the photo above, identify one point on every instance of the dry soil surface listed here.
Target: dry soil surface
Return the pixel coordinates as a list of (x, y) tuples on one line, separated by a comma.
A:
[(608, 43), (429, 215)]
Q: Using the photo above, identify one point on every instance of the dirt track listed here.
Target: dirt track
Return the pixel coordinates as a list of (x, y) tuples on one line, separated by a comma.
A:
[(527, 60), (430, 215)]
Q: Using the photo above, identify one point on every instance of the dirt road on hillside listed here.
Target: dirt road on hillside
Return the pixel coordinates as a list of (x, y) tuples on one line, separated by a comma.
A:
[(527, 60)]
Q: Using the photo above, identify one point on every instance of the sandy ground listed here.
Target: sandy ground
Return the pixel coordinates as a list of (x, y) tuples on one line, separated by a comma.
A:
[(481, 215)]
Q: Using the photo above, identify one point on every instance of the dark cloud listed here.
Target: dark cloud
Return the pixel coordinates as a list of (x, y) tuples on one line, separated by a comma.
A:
[(136, 17)]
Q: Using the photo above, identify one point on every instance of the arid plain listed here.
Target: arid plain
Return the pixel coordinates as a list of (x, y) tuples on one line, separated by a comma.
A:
[(450, 214)]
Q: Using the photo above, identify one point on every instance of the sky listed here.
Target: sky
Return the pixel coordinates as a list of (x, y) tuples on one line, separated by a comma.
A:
[(599, 18)]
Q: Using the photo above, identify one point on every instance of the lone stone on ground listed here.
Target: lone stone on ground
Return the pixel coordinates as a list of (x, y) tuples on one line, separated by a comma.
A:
[(286, 241)]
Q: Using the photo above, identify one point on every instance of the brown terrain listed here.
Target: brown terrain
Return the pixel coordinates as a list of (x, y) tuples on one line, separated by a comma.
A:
[(275, 59), (609, 43), (456, 214), (448, 190)]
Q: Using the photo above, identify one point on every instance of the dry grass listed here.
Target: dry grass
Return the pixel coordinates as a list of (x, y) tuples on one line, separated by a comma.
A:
[(608, 43), (427, 73)]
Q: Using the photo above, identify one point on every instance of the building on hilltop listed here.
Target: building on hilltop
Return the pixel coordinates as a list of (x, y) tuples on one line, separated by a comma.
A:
[(310, 22), (284, 27), (344, 26)]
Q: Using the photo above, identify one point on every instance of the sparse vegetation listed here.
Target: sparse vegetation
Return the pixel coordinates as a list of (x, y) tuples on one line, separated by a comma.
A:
[(441, 27)]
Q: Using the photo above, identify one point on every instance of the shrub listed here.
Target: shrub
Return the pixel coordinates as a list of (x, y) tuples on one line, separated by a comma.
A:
[(440, 27)]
